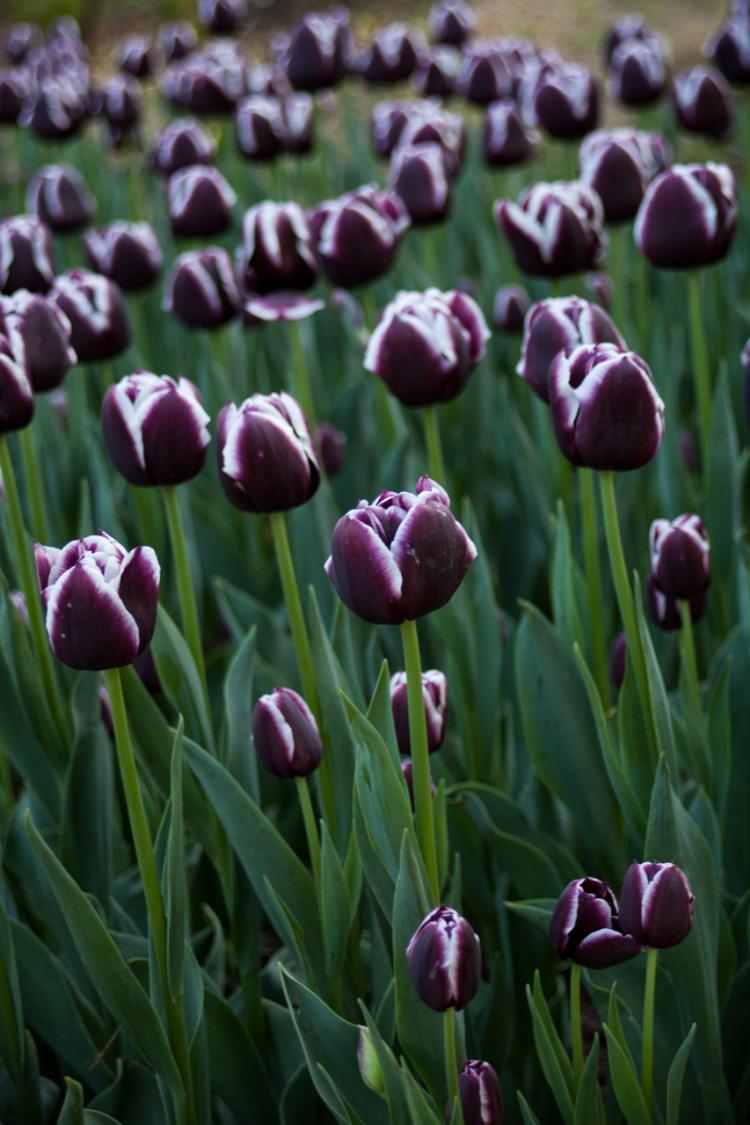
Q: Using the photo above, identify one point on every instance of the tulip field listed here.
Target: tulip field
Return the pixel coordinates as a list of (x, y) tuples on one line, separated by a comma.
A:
[(374, 582)]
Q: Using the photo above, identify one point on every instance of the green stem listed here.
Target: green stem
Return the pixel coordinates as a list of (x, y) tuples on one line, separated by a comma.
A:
[(647, 1068), (700, 360), (185, 591), (576, 1030), (33, 483), (26, 571), (688, 656), (626, 603), (434, 448), (594, 580), (311, 828), (643, 298), (617, 235), (451, 1060), (301, 381), (420, 757)]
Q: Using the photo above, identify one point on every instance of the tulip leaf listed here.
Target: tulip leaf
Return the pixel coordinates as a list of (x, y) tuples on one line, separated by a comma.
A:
[(179, 677), (529, 1117), (334, 903), (86, 823), (12, 1045), (625, 1082), (71, 1111), (238, 1072), (723, 479), (552, 1056), (380, 714), (392, 1077), (537, 911), (676, 1076), (420, 1111), (589, 1104), (174, 873), (241, 762), (562, 581)]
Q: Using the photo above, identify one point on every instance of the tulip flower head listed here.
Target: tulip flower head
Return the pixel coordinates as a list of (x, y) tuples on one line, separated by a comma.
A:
[(58, 195), (729, 49), (276, 253), (199, 201), (506, 138), (554, 229), (332, 446), (316, 53), (704, 102), (688, 216), (128, 253), (285, 734), (619, 164), (44, 331), (357, 236), (436, 73), (480, 1094), (222, 17), (26, 258), (452, 22), (680, 556), (510, 308), (445, 960), (656, 904), (560, 324), (435, 698), (587, 929), (563, 100), (180, 144), (419, 177), (94, 305), (392, 55), (177, 39), (16, 392), (202, 290), (637, 73)]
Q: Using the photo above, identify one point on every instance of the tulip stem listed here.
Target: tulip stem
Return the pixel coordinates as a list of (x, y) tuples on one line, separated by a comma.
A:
[(626, 603), (27, 578), (576, 1030), (451, 1059), (643, 298), (619, 276), (301, 381), (647, 1068), (151, 885), (311, 828), (33, 484), (700, 360), (593, 580), (185, 590), (689, 661), (434, 447), (420, 758)]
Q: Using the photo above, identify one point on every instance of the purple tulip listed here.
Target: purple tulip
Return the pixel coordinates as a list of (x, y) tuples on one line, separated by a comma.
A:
[(16, 392), (445, 960), (419, 177), (688, 451), (426, 345), (630, 28), (619, 164), (680, 556), (506, 140), (437, 127), (155, 429), (202, 290), (199, 201), (392, 55), (134, 56), (586, 928), (120, 103), (128, 253), (486, 76), (435, 698), (59, 196), (15, 88), (177, 39), (208, 82), (656, 904), (665, 611), (400, 557), (100, 601), (259, 125), (688, 216), (452, 22), (357, 236), (282, 308), (316, 54), (637, 73), (436, 74), (20, 39), (266, 458), (298, 113), (554, 229), (560, 324), (99, 323), (618, 660), (704, 102), (408, 775), (56, 109), (563, 100), (44, 332), (331, 444), (605, 408), (181, 144), (510, 308), (729, 49), (480, 1094), (600, 286), (285, 734), (222, 17), (26, 256), (276, 252), (389, 119)]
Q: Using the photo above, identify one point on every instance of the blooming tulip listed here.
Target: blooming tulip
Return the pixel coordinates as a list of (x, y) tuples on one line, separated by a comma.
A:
[(357, 236), (586, 929), (26, 258), (688, 216), (99, 323), (59, 196), (285, 734), (445, 960), (656, 904), (554, 229), (201, 289), (128, 253), (435, 697)]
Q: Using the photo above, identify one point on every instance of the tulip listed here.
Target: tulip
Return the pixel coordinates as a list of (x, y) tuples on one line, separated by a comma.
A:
[(259, 125), (285, 734), (407, 770), (298, 113), (452, 22), (688, 451), (666, 612), (638, 73), (619, 164), (486, 75), (276, 252), (680, 557), (426, 345), (210, 81), (729, 49), (437, 127), (222, 17), (392, 55), (331, 444), (120, 104), (15, 88), (317, 52), (587, 929), (180, 144), (445, 961), (58, 195), (600, 286), (480, 1094), (435, 695), (99, 323), (56, 109), (201, 289), (510, 308), (26, 257), (177, 39), (656, 904), (704, 102), (400, 557), (20, 40), (506, 140), (563, 99), (631, 28), (266, 458), (200, 202), (436, 74), (134, 56), (618, 660), (560, 324), (419, 178), (554, 229), (370, 1069), (155, 429), (388, 120), (16, 393), (100, 601), (357, 236), (44, 332), (128, 253), (688, 216)]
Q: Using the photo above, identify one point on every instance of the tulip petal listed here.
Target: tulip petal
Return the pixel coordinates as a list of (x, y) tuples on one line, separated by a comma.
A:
[(364, 573), (88, 624)]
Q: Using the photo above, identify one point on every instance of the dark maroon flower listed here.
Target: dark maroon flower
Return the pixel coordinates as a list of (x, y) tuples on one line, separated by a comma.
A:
[(128, 253), (688, 216), (586, 929), (637, 73), (120, 104), (438, 127), (510, 308), (435, 697), (618, 660), (331, 444), (704, 102), (680, 556), (563, 100), (222, 17), (20, 39), (209, 81), (506, 140), (59, 196), (486, 75), (15, 87), (656, 904), (445, 960), (630, 28), (276, 252), (199, 201), (560, 324), (406, 770), (665, 611), (44, 331), (392, 55), (480, 1094), (99, 323), (202, 290), (316, 53), (177, 39), (436, 74), (180, 144), (420, 179), (357, 236), (134, 56), (452, 22), (56, 109), (285, 734), (729, 49), (16, 392), (619, 164), (554, 229), (26, 256)]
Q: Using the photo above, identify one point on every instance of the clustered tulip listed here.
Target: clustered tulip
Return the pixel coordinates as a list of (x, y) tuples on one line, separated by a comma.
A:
[(59, 196), (451, 22), (435, 697), (267, 126), (317, 52), (695, 198), (554, 229), (436, 73), (285, 734), (420, 179), (56, 109), (135, 55), (586, 927), (207, 82), (392, 55), (44, 332), (357, 236), (486, 76), (180, 144), (15, 87), (128, 253), (560, 324), (619, 164), (656, 904), (16, 392), (222, 17), (177, 39), (729, 48), (506, 138), (445, 960), (202, 290), (26, 257), (563, 100), (94, 305), (637, 73)]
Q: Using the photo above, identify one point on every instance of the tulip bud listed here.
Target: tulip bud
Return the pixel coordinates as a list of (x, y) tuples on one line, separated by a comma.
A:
[(563, 100), (20, 40), (479, 1093), (201, 289), (435, 697), (44, 331), (99, 323), (618, 660), (688, 451), (400, 557), (656, 904), (419, 178), (392, 55), (16, 394), (276, 252), (680, 556), (437, 127), (285, 734), (387, 122), (665, 611), (619, 164), (120, 104), (699, 198), (605, 408), (266, 458), (331, 444), (370, 1070), (357, 236), (134, 56), (630, 28), (586, 929), (729, 49), (451, 21), (15, 88), (510, 308), (560, 324), (56, 109), (181, 144), (155, 429), (298, 112), (259, 125), (638, 73), (128, 253), (58, 195), (222, 17), (317, 52), (436, 74), (177, 39), (26, 257), (426, 345), (506, 140), (703, 102), (210, 81), (100, 601), (486, 75), (445, 960), (199, 201), (554, 229)]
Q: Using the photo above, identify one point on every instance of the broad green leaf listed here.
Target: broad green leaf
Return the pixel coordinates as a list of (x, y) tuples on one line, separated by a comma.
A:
[(625, 1082), (334, 904), (238, 1072), (238, 708), (562, 585), (589, 1104), (676, 1076), (174, 874), (552, 1057), (11, 1007), (179, 677), (420, 1111)]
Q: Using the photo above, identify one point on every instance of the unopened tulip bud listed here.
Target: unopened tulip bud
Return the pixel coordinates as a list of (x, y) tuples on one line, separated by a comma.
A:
[(259, 124), (563, 100), (276, 252), (134, 56), (435, 698), (699, 198), (486, 75), (560, 324), (729, 49), (618, 660), (419, 177), (656, 904), (26, 257), (222, 17), (680, 556), (436, 75), (209, 82), (181, 144), (369, 1065), (56, 110), (202, 290), (554, 229), (619, 164), (15, 88), (332, 446), (445, 960), (630, 28), (480, 1094), (285, 734), (392, 55), (94, 305), (506, 139), (451, 21), (128, 253), (666, 612), (16, 393), (317, 52), (58, 195), (637, 73), (510, 308), (44, 331), (199, 201), (177, 39), (704, 102), (437, 127), (587, 929), (601, 287), (357, 236)]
